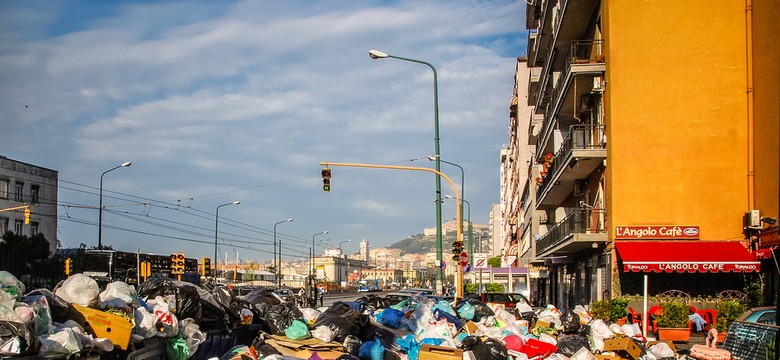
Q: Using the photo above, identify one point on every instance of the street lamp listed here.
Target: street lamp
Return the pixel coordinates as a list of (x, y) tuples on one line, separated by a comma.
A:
[(216, 227), (279, 261), (376, 54), (100, 210), (462, 196), (339, 260), (312, 270)]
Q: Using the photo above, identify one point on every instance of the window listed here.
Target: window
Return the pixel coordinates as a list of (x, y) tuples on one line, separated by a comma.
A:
[(3, 226), (19, 195), (18, 227), (33, 228), (34, 191), (3, 188)]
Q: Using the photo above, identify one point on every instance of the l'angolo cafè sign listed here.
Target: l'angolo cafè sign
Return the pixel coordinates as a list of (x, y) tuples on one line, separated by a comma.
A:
[(657, 232)]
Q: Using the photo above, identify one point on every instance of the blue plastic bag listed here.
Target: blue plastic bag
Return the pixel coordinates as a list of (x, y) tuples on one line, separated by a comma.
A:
[(391, 318), (466, 311), (439, 314), (444, 306), (371, 350)]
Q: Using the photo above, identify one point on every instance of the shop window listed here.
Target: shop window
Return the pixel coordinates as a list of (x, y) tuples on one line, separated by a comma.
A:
[(19, 194), (3, 188), (34, 191), (18, 224)]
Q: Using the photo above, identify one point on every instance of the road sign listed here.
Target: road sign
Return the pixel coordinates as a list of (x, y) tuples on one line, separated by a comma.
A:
[(464, 259), (480, 261), (443, 264)]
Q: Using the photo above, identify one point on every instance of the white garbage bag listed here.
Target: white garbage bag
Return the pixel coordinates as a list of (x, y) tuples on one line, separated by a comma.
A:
[(79, 289)]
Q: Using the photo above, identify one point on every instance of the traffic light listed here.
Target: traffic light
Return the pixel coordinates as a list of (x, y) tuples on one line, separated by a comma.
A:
[(177, 264), (326, 179), (27, 213), (68, 266), (457, 248), (146, 269), (206, 269)]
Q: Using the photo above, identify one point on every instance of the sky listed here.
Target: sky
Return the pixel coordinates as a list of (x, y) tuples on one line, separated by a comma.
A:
[(218, 101)]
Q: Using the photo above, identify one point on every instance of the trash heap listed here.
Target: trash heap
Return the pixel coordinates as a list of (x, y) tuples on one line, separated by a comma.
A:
[(169, 319)]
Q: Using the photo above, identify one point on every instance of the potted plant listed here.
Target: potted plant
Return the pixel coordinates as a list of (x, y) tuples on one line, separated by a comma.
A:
[(618, 311), (600, 309), (727, 311), (673, 322)]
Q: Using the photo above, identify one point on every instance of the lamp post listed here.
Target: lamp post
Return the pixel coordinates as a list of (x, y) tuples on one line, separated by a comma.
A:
[(376, 54), (216, 231), (100, 209), (339, 259), (312, 270), (463, 197), (279, 261)]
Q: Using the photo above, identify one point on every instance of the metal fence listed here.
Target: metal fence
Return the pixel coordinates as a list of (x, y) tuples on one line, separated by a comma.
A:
[(33, 273)]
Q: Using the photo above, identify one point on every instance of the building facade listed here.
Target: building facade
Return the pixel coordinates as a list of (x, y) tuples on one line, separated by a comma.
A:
[(641, 115), (26, 185)]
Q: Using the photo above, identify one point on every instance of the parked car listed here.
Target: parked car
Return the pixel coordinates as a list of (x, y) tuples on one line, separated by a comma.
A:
[(512, 302), (762, 315), (284, 293)]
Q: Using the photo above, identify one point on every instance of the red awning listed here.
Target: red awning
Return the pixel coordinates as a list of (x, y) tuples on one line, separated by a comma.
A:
[(765, 253), (686, 256)]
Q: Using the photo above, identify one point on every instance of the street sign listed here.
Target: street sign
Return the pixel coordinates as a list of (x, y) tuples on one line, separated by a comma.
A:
[(443, 264), (464, 259), (480, 260)]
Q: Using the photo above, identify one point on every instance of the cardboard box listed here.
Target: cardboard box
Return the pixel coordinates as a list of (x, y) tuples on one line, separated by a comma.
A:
[(305, 348), (607, 357), (542, 323), (432, 352), (624, 347), (103, 325), (469, 328)]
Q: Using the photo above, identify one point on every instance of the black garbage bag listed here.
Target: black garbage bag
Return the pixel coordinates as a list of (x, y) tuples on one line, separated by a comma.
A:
[(231, 306), (373, 302), (262, 295), (570, 322), (281, 316), (11, 332), (263, 348), (488, 349), (57, 305), (185, 295), (568, 344), (343, 320)]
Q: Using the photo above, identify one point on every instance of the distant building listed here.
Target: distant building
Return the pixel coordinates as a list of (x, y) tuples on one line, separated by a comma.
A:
[(364, 252), (23, 184)]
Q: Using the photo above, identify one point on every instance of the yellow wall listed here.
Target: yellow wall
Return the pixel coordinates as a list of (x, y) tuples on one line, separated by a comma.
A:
[(766, 65), (676, 114)]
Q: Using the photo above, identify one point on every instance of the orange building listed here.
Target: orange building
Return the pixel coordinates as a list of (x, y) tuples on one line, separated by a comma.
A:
[(642, 117)]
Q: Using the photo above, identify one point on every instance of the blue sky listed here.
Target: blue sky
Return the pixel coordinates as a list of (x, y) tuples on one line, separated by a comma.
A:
[(241, 100)]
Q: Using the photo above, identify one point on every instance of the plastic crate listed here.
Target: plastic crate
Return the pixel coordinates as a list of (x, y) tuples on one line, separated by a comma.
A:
[(358, 306)]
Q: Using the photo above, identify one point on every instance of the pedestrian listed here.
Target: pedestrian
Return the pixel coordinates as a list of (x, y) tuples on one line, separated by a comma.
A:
[(321, 294)]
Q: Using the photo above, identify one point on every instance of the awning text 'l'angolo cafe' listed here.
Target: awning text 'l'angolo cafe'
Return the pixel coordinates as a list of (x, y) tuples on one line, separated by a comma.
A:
[(678, 249)]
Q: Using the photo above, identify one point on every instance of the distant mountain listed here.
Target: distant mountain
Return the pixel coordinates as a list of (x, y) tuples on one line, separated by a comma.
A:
[(421, 244)]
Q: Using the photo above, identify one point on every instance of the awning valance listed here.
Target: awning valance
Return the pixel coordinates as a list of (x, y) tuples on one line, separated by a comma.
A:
[(686, 256)]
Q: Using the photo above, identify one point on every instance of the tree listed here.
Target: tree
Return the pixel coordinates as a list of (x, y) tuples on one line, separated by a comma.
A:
[(494, 261), (29, 247)]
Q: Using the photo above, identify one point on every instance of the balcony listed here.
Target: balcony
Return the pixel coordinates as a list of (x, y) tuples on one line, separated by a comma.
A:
[(582, 151), (586, 65), (577, 232)]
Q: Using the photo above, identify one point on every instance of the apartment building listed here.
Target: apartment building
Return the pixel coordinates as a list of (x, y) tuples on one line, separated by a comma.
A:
[(26, 185), (645, 132)]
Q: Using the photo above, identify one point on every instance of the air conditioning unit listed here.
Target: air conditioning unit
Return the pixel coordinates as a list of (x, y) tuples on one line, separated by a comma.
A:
[(580, 187), (752, 220)]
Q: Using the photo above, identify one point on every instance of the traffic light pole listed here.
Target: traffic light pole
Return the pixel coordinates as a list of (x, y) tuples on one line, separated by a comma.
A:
[(459, 277)]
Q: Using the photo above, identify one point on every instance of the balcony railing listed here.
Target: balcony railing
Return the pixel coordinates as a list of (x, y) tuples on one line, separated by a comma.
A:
[(580, 137), (581, 221)]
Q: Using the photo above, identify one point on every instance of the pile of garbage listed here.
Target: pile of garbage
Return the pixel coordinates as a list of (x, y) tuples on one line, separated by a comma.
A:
[(170, 319)]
